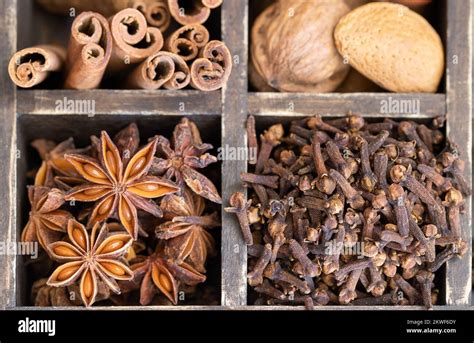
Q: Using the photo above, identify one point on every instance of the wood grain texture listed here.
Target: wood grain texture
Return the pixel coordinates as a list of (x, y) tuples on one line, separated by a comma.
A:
[(234, 103), (234, 113), (459, 108), (8, 232), (107, 101), (334, 104)]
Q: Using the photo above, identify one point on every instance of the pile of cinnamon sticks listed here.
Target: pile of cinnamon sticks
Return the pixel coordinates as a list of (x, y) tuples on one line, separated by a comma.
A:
[(147, 44)]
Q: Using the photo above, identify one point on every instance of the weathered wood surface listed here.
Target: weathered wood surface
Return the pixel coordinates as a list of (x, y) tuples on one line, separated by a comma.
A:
[(234, 113), (459, 108), (333, 104), (8, 227), (106, 101)]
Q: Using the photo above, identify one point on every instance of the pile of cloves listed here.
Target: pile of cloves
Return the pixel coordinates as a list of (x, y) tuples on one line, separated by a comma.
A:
[(346, 211)]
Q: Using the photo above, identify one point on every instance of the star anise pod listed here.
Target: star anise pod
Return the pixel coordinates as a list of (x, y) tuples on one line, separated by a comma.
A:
[(47, 223), (117, 186), (90, 258), (54, 162), (127, 142), (180, 158), (44, 295), (186, 234), (156, 273)]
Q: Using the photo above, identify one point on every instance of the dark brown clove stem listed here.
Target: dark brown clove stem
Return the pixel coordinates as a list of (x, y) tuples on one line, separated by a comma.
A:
[(276, 273), (323, 182), (255, 277), (310, 268), (397, 196), (377, 143), (368, 177), (269, 139), (410, 292), (425, 279), (240, 207), (264, 180), (355, 200), (336, 157), (267, 289)]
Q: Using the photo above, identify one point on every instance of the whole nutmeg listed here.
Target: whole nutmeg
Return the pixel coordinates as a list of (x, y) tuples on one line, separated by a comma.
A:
[(292, 46), (393, 46)]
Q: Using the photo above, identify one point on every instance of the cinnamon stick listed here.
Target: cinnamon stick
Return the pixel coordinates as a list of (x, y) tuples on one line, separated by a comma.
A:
[(187, 41), (31, 66), (89, 51), (212, 70), (194, 13), (133, 40), (155, 11), (104, 7), (163, 69)]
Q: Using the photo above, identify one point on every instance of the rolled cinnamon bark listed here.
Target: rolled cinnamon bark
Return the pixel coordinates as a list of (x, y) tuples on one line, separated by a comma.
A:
[(104, 7), (212, 70), (156, 12), (31, 66), (187, 41), (89, 51), (163, 69), (133, 40), (193, 13)]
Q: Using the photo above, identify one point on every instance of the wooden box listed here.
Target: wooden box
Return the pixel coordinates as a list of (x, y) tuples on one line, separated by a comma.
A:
[(26, 114)]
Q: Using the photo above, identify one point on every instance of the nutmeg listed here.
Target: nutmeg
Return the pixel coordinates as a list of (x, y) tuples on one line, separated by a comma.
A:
[(393, 46), (292, 46)]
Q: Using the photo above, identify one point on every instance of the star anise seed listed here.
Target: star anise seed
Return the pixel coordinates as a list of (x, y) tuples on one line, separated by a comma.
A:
[(90, 258), (117, 187), (156, 273), (186, 234), (47, 223), (180, 157)]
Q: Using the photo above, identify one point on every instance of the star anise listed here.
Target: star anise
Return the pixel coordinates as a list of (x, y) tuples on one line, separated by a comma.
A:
[(156, 273), (117, 186), (180, 157), (44, 295), (93, 258), (47, 223), (187, 233), (54, 162)]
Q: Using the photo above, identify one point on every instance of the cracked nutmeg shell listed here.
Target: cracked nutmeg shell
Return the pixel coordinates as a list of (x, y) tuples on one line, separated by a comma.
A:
[(393, 46), (292, 46)]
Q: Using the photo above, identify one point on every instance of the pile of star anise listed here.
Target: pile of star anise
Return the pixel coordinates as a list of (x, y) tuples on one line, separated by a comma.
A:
[(118, 217)]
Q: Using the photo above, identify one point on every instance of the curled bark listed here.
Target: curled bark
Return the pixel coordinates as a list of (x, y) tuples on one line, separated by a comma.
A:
[(104, 7), (195, 11), (187, 41), (133, 40), (163, 69), (212, 70), (155, 11), (89, 51), (31, 66)]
